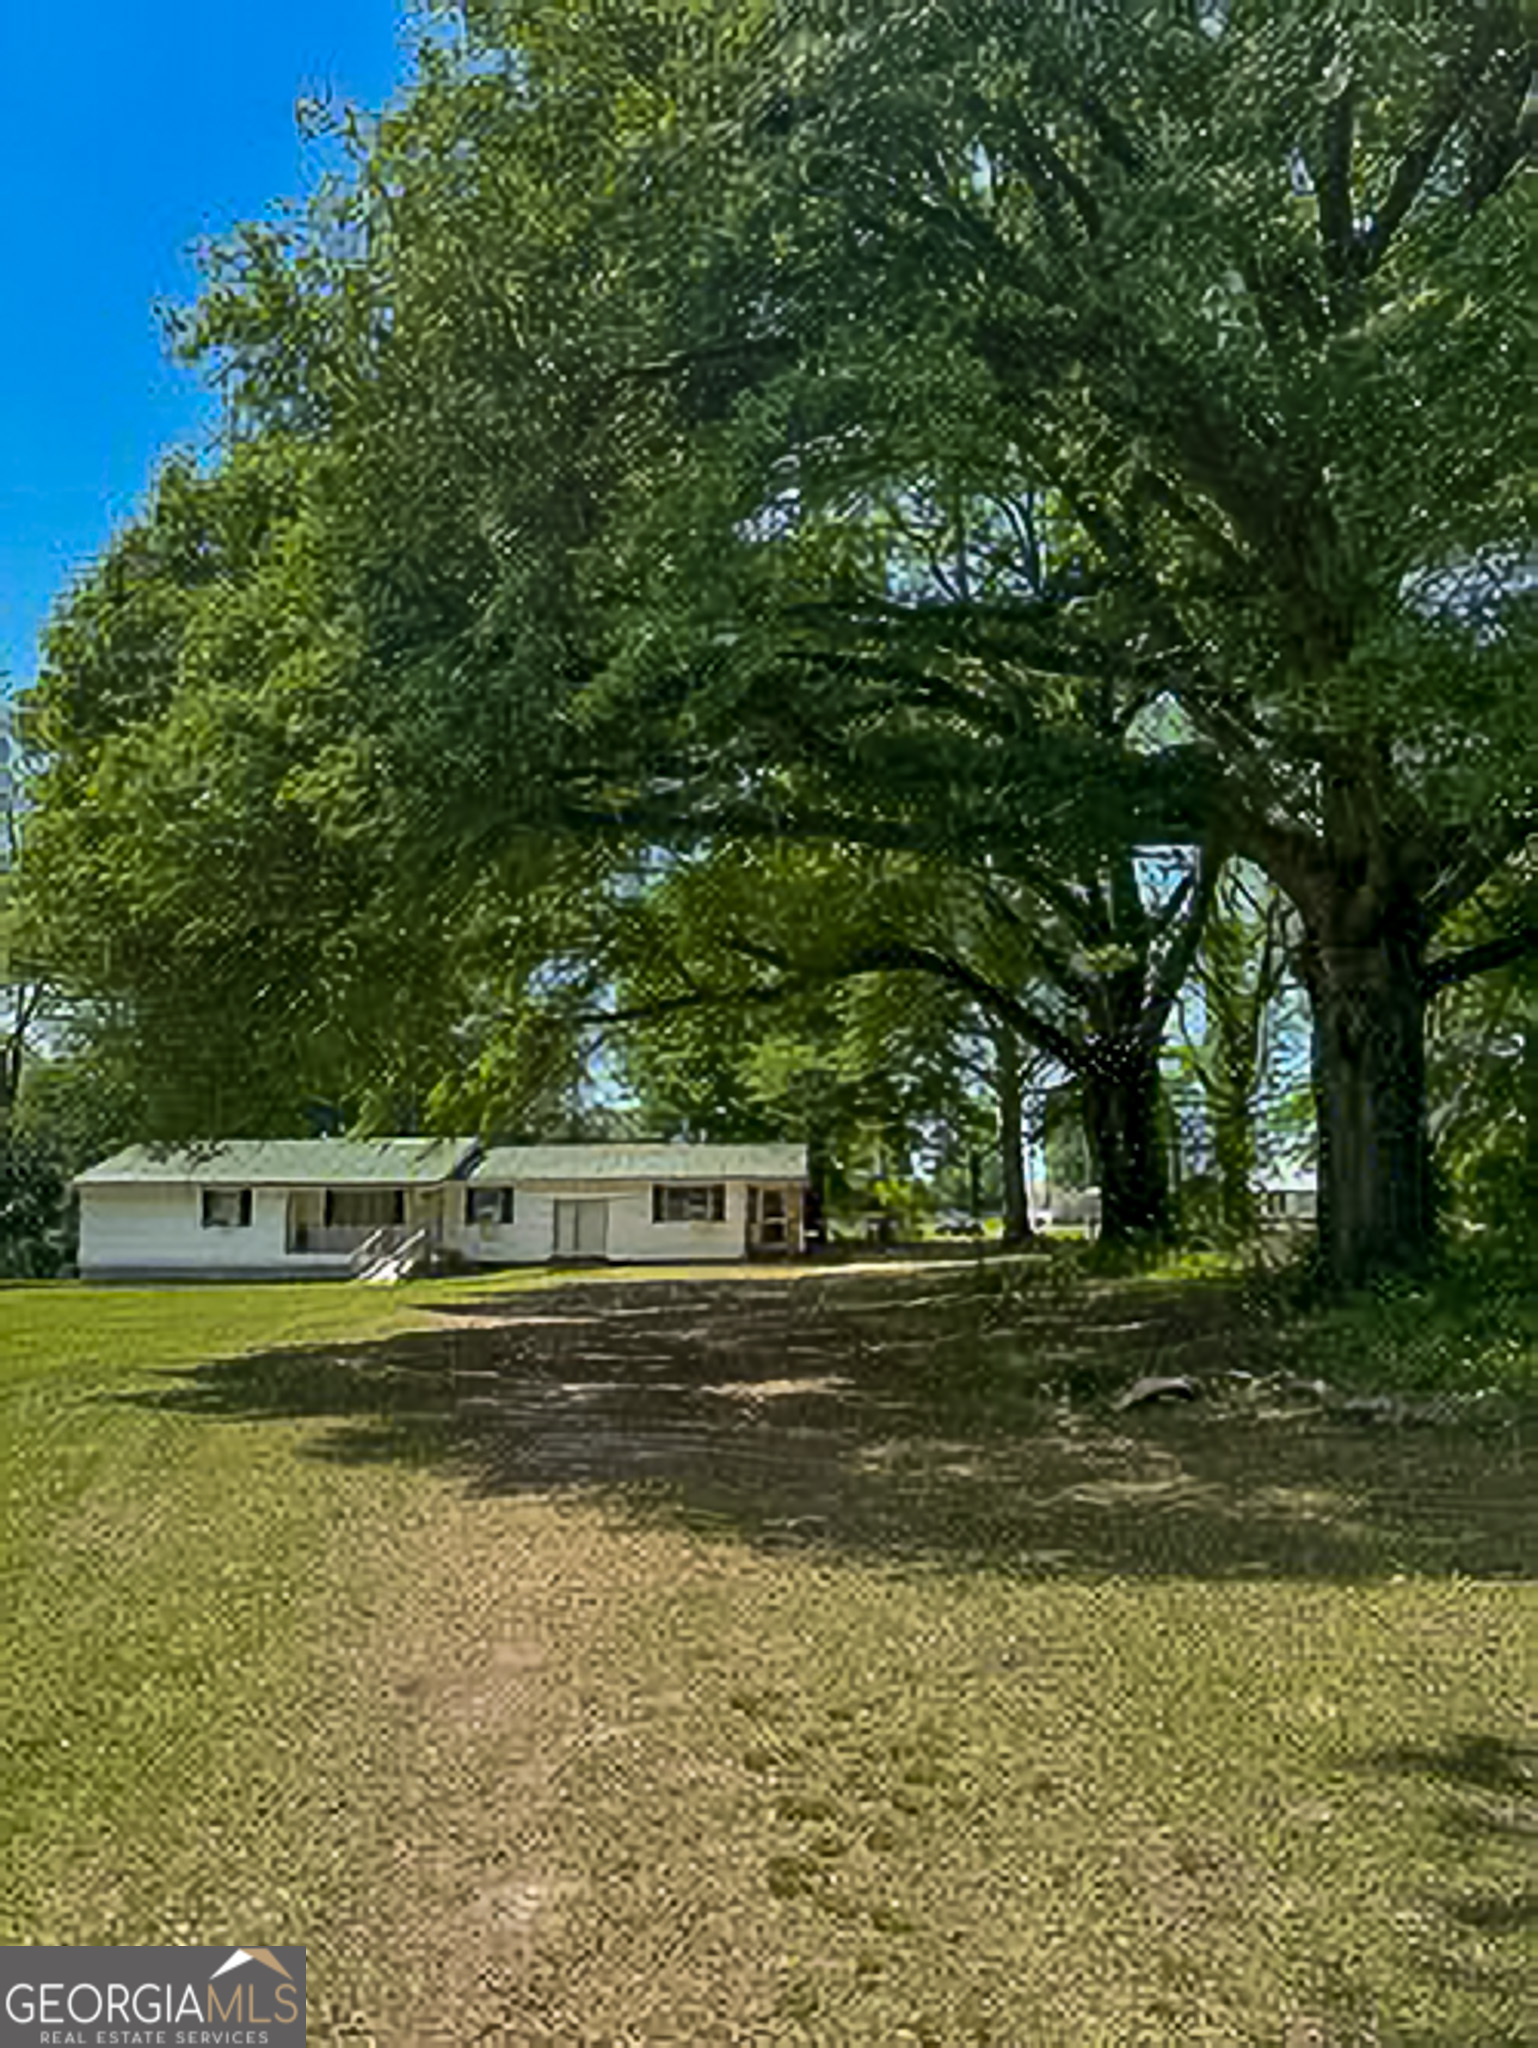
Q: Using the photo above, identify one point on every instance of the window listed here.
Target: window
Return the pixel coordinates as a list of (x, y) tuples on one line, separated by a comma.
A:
[(226, 1208), (488, 1205), (683, 1202), (364, 1208)]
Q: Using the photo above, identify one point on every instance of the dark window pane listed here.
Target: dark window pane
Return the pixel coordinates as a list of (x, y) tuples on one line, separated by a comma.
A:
[(225, 1208)]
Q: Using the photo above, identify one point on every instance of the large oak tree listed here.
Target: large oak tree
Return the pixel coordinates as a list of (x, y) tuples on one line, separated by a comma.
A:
[(1240, 289), (651, 351)]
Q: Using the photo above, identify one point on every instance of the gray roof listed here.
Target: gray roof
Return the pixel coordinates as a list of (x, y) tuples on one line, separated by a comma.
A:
[(656, 1161), (288, 1162), (397, 1162)]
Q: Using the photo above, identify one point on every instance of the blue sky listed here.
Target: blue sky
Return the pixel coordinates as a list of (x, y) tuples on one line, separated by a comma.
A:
[(126, 134)]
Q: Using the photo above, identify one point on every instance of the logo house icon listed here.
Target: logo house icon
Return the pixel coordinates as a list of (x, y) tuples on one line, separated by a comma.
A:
[(251, 1955), (241, 2000)]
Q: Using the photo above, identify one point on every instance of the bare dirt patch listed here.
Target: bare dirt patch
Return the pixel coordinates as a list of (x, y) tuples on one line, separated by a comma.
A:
[(958, 1417)]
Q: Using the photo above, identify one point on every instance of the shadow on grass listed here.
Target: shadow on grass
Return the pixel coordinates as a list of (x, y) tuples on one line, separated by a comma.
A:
[(1481, 1763), (952, 1419), (1486, 1789)]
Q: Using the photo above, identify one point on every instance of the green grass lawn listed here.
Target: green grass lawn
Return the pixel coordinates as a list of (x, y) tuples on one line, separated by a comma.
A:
[(55, 1328), (814, 1662)]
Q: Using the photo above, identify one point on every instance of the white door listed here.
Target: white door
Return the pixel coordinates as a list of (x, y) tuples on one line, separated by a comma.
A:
[(581, 1230)]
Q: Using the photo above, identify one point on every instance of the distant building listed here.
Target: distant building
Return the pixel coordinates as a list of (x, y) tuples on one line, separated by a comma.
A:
[(1288, 1194), (1057, 1207)]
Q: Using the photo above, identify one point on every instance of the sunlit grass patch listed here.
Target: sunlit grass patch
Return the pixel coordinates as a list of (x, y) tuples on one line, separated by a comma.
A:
[(97, 1333)]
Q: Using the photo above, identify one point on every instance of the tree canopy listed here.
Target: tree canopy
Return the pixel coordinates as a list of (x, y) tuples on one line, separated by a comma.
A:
[(1011, 440)]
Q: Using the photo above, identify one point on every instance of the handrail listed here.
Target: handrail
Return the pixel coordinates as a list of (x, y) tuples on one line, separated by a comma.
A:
[(394, 1259), (375, 1245)]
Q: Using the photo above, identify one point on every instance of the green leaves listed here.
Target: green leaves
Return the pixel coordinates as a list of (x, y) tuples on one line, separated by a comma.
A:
[(863, 466)]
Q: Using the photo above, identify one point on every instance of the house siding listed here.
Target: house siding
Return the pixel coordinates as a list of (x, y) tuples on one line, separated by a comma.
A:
[(152, 1230), (633, 1238), (158, 1231)]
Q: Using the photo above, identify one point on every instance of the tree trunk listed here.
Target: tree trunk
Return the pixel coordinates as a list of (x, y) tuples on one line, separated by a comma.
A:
[(13, 1050), (1174, 1158), (1233, 1136), (1376, 1207), (1017, 1207), (1528, 1220), (1121, 1120), (815, 1213), (1239, 957), (1234, 1016)]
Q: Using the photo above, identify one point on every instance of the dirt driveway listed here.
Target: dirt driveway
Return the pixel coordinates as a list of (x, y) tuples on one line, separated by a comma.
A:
[(956, 1414)]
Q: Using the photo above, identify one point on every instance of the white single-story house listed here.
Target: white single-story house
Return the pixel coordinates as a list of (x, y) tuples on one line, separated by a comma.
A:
[(1288, 1195), (314, 1207)]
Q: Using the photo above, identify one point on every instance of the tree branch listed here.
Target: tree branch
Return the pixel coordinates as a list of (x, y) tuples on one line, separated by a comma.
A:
[(1507, 135), (1291, 856), (1469, 856), (1453, 968), (889, 956), (1332, 186), (1450, 100), (899, 956), (883, 957), (1051, 177), (658, 1007), (1177, 962)]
